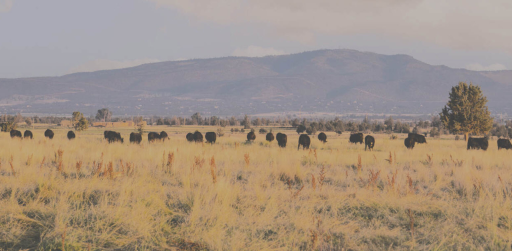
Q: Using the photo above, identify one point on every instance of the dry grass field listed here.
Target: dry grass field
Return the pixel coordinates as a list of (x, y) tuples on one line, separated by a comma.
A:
[(86, 194)]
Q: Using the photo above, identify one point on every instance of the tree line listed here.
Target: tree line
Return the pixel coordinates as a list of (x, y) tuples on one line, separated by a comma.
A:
[(465, 113), (10, 122)]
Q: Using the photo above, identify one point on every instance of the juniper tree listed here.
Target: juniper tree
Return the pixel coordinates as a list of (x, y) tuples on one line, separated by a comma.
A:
[(80, 123), (466, 111)]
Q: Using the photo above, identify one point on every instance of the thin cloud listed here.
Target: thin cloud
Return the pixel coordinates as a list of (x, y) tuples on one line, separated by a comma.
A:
[(105, 64), (458, 24), (492, 67), (256, 51), (5, 5)]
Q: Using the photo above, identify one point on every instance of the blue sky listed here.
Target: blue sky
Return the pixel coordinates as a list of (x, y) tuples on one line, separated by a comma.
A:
[(56, 37)]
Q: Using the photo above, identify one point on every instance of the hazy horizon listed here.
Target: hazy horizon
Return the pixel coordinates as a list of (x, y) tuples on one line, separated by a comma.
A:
[(58, 37), (91, 67)]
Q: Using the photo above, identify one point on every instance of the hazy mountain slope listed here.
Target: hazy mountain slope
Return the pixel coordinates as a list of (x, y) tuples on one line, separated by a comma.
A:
[(337, 81)]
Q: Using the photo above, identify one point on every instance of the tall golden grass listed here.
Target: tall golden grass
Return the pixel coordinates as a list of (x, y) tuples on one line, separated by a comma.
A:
[(92, 195)]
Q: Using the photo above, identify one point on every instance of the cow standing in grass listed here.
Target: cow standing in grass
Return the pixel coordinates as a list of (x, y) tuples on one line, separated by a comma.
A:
[(478, 143), (105, 133), (15, 134), (198, 137), (164, 136), (322, 137), (409, 143), (356, 138), (71, 135), (418, 138), (304, 141), (190, 137), (270, 137), (281, 139), (369, 141), (135, 137), (251, 136), (504, 143), (113, 137), (28, 134), (49, 134), (153, 136), (210, 137)]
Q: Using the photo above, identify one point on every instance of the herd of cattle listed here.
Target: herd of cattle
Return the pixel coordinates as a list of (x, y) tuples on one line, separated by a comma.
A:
[(304, 140)]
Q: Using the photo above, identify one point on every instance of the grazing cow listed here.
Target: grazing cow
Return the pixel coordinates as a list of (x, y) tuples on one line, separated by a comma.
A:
[(418, 138), (478, 143), (28, 134), (251, 136), (105, 133), (322, 137), (15, 133), (71, 135), (210, 137), (356, 138), (281, 139), (190, 137), (49, 133), (504, 143), (135, 137), (114, 137), (198, 137), (305, 141), (163, 136), (153, 136), (270, 137), (409, 143), (369, 141)]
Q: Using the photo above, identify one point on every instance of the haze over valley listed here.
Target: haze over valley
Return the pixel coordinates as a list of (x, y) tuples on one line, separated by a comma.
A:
[(325, 82)]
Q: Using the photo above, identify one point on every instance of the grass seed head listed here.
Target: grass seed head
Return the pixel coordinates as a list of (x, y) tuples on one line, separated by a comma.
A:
[(12, 167), (247, 159)]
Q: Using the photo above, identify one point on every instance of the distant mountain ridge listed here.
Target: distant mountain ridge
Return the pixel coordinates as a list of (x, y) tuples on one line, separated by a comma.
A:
[(328, 81)]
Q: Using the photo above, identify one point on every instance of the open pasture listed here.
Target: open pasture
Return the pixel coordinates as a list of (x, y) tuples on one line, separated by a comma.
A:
[(86, 194)]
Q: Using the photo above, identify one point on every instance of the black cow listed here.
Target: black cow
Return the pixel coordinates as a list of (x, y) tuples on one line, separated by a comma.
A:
[(270, 137), (28, 134), (153, 136), (369, 141), (71, 135), (478, 143), (251, 136), (105, 133), (305, 141), (322, 137), (163, 136), (135, 137), (418, 138), (210, 137), (356, 138), (49, 133), (15, 134), (281, 139), (198, 137), (114, 137), (504, 143), (409, 143), (190, 137)]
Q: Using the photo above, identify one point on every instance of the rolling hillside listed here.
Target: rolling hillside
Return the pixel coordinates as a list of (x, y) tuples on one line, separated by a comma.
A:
[(332, 81)]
